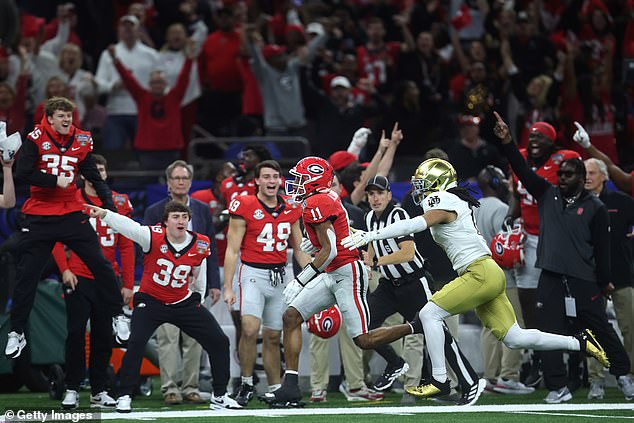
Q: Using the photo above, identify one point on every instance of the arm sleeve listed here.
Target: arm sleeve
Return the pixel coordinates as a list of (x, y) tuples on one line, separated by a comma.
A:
[(126, 254), (398, 216), (106, 76), (402, 228), (60, 257), (26, 171), (130, 82), (200, 282), (600, 230), (55, 44), (536, 185), (183, 79), (88, 169), (130, 229)]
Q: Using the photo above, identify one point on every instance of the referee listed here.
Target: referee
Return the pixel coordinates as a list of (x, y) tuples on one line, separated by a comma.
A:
[(404, 288)]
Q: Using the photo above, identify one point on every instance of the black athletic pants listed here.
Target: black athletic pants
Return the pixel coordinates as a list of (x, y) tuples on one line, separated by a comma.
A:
[(407, 300), (82, 304), (190, 317), (590, 315), (36, 244)]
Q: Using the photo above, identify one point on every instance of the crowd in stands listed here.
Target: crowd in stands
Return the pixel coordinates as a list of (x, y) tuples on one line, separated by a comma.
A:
[(321, 70)]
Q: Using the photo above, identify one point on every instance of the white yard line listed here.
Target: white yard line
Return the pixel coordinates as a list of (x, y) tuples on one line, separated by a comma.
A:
[(524, 408), (574, 415)]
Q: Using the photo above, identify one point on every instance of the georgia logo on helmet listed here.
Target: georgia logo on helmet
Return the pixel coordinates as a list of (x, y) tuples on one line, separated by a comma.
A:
[(326, 323), (507, 247), (311, 174), (432, 175)]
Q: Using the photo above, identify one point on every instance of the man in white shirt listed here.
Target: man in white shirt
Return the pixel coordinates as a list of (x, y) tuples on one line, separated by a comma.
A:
[(121, 122)]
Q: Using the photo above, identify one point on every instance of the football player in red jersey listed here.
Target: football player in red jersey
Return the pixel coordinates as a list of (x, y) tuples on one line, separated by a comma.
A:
[(260, 229), (52, 157), (544, 158), (83, 302), (242, 183), (335, 276), (173, 259)]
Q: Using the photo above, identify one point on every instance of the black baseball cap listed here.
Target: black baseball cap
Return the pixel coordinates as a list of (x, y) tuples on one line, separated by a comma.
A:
[(379, 182)]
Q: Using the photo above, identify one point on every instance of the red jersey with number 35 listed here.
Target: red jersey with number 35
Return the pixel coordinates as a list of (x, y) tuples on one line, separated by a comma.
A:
[(108, 239), (57, 159), (268, 230), (324, 206), (548, 171), (167, 272)]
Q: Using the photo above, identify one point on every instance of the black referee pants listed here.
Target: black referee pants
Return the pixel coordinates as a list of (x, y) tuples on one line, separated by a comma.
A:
[(591, 314), (82, 304), (407, 300), (36, 244), (190, 317)]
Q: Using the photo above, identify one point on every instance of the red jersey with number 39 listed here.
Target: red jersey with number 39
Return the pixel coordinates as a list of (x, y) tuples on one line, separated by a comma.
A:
[(167, 272), (57, 159), (268, 230), (548, 171), (324, 206)]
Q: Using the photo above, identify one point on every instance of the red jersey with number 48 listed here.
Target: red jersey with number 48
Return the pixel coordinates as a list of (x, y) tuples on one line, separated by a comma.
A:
[(268, 230), (167, 272), (108, 239), (59, 155), (548, 171), (324, 206)]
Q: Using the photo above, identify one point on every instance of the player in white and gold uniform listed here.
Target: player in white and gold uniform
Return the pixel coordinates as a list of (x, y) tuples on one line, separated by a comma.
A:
[(481, 284)]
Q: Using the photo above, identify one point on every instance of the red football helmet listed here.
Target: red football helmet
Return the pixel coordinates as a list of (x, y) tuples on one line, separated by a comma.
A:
[(311, 174), (507, 247), (326, 323)]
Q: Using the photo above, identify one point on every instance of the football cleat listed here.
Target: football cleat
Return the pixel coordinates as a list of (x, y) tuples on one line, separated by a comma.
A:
[(389, 376), (429, 390), (471, 396), (591, 347), (244, 394), (285, 397)]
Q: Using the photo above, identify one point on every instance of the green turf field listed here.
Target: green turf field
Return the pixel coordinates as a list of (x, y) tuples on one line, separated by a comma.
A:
[(491, 408)]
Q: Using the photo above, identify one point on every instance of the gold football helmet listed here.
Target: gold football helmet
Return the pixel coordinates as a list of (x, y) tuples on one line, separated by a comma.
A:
[(432, 175)]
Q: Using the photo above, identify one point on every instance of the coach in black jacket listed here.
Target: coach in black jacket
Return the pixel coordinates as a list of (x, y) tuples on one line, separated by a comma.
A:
[(179, 181), (574, 255)]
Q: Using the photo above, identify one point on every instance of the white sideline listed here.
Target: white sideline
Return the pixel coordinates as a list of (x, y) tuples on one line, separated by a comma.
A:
[(524, 408)]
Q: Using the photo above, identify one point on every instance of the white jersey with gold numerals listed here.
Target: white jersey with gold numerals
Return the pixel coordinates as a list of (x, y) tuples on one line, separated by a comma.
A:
[(461, 238)]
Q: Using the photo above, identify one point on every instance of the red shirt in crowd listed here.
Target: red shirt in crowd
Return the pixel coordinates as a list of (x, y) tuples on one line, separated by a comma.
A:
[(374, 65), (159, 118), (251, 96), (218, 62)]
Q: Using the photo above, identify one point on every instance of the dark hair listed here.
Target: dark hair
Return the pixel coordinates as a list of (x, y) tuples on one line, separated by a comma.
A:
[(175, 207), (54, 104), (261, 151), (465, 195), (577, 164), (100, 160), (270, 164), (349, 175)]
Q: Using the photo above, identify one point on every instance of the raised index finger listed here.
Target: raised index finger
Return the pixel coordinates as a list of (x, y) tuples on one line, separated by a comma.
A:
[(497, 116)]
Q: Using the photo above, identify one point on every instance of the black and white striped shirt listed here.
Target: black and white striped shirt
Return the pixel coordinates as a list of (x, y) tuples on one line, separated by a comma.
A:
[(391, 214)]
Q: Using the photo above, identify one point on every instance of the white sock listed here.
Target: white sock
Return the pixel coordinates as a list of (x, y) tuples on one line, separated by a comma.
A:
[(247, 380), (517, 338), (432, 317)]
